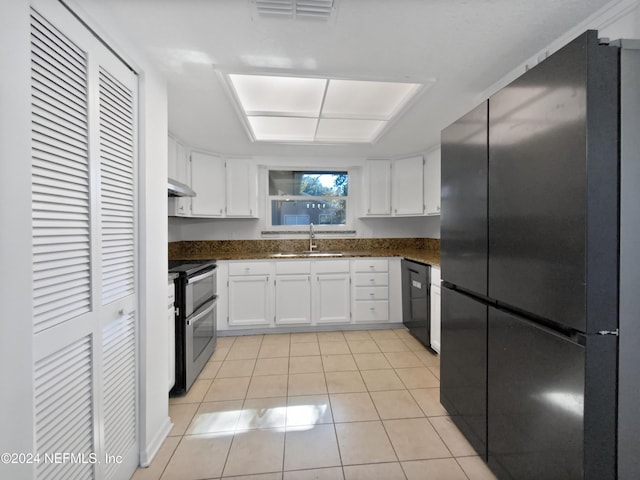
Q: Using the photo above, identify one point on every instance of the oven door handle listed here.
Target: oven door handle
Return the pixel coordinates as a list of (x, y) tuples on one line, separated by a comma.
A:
[(197, 278), (205, 310)]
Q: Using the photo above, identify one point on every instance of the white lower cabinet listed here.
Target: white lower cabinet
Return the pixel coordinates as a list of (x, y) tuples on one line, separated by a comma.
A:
[(435, 309), (371, 290), (371, 311), (293, 293), (331, 295), (249, 291), (332, 298), (293, 300), (300, 292)]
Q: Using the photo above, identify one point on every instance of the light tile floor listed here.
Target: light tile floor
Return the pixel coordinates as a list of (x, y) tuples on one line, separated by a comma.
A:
[(328, 406)]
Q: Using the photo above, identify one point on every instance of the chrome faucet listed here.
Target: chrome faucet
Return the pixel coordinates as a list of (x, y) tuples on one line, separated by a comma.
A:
[(312, 235)]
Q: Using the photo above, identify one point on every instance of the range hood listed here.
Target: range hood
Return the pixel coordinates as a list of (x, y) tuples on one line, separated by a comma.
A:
[(178, 189)]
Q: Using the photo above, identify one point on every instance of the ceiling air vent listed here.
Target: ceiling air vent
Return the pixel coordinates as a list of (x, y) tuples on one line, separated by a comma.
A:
[(315, 9)]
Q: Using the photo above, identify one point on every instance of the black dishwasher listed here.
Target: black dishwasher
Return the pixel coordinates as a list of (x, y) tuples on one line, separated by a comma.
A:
[(416, 300)]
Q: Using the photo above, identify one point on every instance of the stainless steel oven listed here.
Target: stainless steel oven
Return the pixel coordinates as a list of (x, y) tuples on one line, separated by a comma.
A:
[(195, 319)]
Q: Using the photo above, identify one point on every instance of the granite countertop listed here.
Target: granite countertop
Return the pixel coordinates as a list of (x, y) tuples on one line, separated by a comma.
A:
[(422, 256), (420, 250)]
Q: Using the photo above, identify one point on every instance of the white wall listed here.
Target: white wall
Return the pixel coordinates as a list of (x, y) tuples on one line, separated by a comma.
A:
[(155, 423), (627, 26), (621, 20), (251, 229), (16, 335), (152, 191)]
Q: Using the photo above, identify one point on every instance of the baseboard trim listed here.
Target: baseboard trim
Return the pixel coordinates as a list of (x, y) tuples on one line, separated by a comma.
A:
[(147, 454), (310, 329)]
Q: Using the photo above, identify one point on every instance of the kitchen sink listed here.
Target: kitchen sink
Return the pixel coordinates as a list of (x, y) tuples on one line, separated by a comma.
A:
[(307, 254)]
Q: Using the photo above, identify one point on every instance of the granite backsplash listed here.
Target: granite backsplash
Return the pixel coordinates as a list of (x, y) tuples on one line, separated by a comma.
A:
[(217, 248)]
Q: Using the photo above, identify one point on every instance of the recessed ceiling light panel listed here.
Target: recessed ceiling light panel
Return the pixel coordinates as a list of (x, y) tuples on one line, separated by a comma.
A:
[(283, 95), (322, 110), (363, 99), (348, 130), (283, 129)]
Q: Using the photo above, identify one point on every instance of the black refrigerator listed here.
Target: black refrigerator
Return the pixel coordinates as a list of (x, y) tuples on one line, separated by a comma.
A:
[(531, 253)]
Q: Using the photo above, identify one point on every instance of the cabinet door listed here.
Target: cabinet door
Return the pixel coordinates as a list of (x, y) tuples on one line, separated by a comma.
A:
[(249, 300), (435, 318), (377, 187), (172, 158), (242, 188), (293, 299), (432, 183), (183, 171), (183, 174), (332, 299), (408, 188), (208, 181)]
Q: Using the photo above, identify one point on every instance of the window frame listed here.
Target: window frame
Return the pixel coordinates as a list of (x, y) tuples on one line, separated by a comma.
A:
[(348, 225)]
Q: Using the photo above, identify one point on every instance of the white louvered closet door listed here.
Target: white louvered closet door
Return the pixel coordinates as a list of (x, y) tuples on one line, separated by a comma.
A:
[(117, 123), (84, 243)]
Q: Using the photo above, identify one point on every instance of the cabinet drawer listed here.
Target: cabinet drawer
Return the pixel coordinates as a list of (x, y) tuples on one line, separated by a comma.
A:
[(293, 267), (249, 268), (331, 266), (372, 293), (371, 279), (372, 265), (372, 311), (435, 276)]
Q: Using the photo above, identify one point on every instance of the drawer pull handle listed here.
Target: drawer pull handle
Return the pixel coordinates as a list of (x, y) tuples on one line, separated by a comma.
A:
[(372, 308)]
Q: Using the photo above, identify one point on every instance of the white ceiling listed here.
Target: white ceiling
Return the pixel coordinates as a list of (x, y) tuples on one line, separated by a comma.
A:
[(465, 45)]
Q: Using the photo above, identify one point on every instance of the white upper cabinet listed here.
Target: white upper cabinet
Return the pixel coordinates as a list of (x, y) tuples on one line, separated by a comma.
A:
[(183, 167), (432, 183), (225, 188), (394, 188), (377, 187), (208, 181), (242, 188), (179, 168), (172, 158), (408, 186)]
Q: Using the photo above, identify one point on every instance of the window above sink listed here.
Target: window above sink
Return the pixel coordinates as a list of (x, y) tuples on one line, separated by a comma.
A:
[(298, 198)]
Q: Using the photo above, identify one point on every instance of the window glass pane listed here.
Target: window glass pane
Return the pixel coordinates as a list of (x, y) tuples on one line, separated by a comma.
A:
[(315, 184), (319, 211)]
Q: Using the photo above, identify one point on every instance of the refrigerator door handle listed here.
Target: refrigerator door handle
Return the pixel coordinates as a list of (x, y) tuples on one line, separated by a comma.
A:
[(615, 332)]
